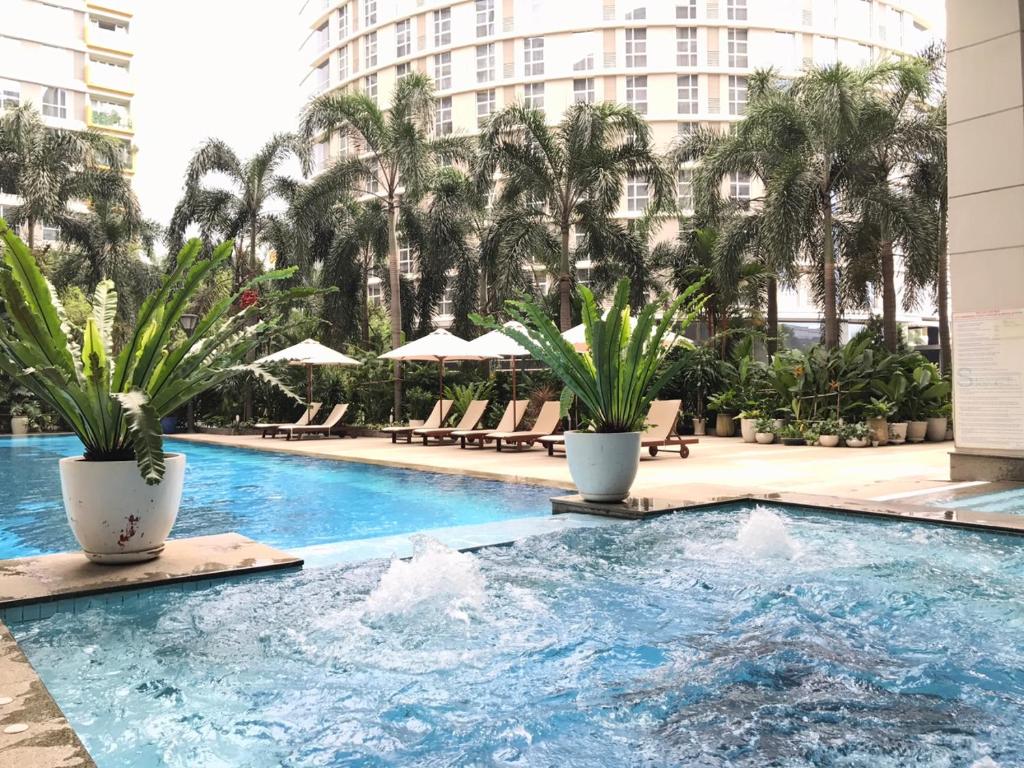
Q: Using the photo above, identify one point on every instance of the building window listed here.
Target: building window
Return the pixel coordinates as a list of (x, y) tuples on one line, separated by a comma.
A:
[(443, 71), (636, 14), (739, 188), (533, 96), (444, 115), (584, 276), (533, 56), (403, 38), (737, 95), (323, 78), (375, 291), (736, 10), (485, 63), (686, 9), (403, 70), (686, 129), (406, 263), (684, 189), (686, 47), (442, 27), (485, 106), (55, 102), (343, 63), (369, 13), (484, 18), (370, 49), (636, 93), (636, 47), (370, 86), (320, 154), (51, 234), (687, 87), (446, 306), (10, 94), (343, 27), (636, 193), (583, 91), (738, 48), (323, 37)]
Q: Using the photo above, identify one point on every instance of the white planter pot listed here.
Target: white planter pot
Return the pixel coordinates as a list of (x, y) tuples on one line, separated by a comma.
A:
[(898, 432), (603, 465), (764, 438), (115, 516), (936, 431), (700, 427), (828, 441), (916, 431), (855, 443), (19, 425), (748, 430)]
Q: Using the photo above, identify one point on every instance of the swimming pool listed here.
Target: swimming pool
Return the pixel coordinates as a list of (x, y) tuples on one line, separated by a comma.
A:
[(729, 637), (1008, 502), (284, 501)]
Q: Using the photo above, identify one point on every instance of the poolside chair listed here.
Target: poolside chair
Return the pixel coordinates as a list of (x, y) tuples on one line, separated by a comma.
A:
[(434, 421), (546, 423), (480, 436), (661, 420), (470, 420), (271, 430), (324, 429)]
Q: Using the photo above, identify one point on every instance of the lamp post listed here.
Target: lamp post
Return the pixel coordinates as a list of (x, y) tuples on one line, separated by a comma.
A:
[(188, 325)]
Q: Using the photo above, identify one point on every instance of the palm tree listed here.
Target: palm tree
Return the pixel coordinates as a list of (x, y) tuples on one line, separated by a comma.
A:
[(625, 251), (566, 176), (398, 165), (46, 167)]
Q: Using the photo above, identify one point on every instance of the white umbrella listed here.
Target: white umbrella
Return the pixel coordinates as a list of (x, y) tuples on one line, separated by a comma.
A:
[(309, 353), (437, 347), (497, 344), (577, 336)]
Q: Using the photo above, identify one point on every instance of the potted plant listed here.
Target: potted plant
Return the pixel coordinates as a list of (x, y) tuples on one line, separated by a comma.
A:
[(614, 381), (701, 372), (122, 494), (764, 431), (724, 406), (894, 390), (748, 419), (938, 422), (926, 393), (829, 432), (877, 413), (792, 434), (856, 435), (21, 417)]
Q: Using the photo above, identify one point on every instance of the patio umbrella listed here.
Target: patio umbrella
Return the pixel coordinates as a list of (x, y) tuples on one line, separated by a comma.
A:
[(437, 347), (497, 344), (577, 336), (309, 353)]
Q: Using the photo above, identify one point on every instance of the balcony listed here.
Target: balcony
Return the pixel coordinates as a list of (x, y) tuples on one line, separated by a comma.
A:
[(108, 76), (110, 116), (116, 39)]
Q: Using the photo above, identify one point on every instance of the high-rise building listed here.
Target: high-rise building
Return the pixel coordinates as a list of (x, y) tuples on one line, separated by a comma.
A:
[(71, 59), (681, 63)]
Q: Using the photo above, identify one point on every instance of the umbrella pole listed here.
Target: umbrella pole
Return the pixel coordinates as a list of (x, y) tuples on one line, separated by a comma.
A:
[(309, 391), (515, 421), (440, 398)]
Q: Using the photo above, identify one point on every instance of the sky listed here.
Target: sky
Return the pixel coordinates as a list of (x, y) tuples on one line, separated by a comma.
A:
[(228, 69)]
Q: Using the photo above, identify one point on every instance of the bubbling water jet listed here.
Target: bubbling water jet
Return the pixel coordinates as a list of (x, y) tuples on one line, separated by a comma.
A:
[(764, 534)]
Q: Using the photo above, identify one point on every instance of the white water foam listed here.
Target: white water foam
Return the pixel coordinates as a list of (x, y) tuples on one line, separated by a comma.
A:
[(437, 579), (764, 534), (985, 762)]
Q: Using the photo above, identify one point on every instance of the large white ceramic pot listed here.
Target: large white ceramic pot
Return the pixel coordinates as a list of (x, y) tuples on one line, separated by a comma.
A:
[(19, 425), (916, 431), (936, 432), (898, 432), (828, 441), (115, 516), (764, 438), (748, 430), (603, 465)]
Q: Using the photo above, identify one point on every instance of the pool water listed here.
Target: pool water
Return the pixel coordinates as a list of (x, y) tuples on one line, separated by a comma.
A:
[(283, 501), (1009, 502), (730, 637)]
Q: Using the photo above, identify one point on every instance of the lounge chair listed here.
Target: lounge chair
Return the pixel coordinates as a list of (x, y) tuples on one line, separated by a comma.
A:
[(271, 430), (434, 421), (661, 431), (323, 429), (547, 420), (480, 436), (470, 420)]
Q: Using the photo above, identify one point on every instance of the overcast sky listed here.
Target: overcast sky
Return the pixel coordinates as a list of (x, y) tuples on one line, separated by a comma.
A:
[(223, 68)]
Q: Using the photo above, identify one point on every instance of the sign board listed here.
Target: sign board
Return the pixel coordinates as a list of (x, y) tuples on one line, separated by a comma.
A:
[(988, 379)]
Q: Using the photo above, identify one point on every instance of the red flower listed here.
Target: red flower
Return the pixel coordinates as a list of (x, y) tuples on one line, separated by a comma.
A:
[(248, 298)]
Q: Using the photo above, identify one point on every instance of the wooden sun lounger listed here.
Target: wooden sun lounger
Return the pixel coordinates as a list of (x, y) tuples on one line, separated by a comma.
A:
[(271, 430), (324, 429), (661, 418), (547, 420), (470, 420), (479, 437), (434, 421)]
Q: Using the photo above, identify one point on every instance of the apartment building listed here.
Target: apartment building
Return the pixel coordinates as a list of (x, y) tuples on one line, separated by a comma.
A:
[(71, 59), (681, 63)]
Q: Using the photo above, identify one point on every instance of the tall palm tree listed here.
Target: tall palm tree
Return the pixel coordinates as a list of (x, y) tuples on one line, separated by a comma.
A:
[(400, 158), (46, 167), (624, 250), (569, 175)]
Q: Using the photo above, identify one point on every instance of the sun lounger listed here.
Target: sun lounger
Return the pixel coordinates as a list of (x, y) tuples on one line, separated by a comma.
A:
[(324, 429), (470, 420), (661, 431), (480, 436), (547, 420), (434, 421), (271, 430)]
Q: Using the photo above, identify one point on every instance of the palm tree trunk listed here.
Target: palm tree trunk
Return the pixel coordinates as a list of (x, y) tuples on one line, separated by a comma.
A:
[(247, 395), (32, 235), (945, 347), (395, 281), (364, 321), (772, 319), (889, 329), (829, 268), (565, 285)]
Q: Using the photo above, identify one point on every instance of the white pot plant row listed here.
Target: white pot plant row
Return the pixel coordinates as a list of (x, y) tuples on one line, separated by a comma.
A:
[(122, 495), (614, 381)]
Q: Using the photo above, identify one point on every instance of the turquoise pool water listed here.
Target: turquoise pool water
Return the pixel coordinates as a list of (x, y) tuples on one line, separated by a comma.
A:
[(280, 500), (732, 637), (1009, 502)]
